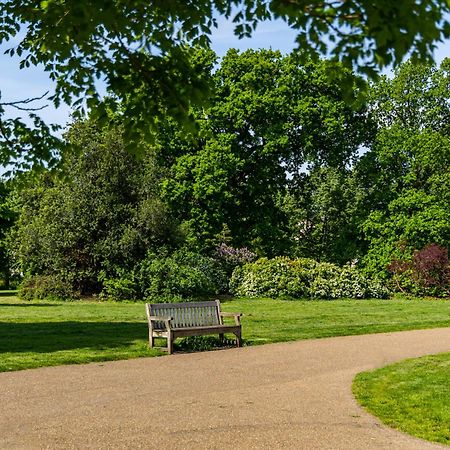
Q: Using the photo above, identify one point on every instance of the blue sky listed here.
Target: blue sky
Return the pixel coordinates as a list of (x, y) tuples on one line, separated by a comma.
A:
[(17, 84)]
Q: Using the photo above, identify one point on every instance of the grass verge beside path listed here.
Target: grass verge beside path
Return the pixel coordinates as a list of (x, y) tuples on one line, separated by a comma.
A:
[(36, 334), (412, 396)]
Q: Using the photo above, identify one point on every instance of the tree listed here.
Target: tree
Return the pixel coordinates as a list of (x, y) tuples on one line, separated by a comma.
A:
[(7, 218), (406, 172), (416, 210), (325, 212), (271, 115), (95, 216), (417, 98), (143, 50), (21, 144)]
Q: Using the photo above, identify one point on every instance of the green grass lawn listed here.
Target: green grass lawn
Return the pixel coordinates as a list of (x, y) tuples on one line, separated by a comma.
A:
[(35, 334), (412, 396)]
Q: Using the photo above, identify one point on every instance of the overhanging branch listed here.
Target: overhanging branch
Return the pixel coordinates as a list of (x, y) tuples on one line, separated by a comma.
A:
[(21, 104)]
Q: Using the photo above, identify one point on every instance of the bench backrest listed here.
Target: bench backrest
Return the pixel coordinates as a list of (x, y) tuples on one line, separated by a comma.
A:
[(187, 314)]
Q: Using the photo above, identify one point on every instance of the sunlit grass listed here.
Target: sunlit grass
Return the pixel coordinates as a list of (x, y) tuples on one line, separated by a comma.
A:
[(35, 334), (412, 396)]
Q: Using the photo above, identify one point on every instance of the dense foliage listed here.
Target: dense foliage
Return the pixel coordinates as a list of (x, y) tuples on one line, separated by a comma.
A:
[(95, 221), (325, 207), (7, 218), (406, 173), (143, 51), (272, 116), (286, 161), (179, 276)]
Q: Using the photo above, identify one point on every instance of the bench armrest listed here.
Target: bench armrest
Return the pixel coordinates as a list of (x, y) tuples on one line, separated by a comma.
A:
[(237, 316), (166, 320), (159, 318)]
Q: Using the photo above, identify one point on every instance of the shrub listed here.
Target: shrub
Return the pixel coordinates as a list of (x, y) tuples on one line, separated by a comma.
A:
[(431, 267), (345, 282), (283, 277), (231, 257), (427, 272), (183, 274), (123, 288), (50, 287), (276, 277)]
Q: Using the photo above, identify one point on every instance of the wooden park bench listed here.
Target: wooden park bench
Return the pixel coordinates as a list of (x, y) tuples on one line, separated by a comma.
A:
[(173, 320)]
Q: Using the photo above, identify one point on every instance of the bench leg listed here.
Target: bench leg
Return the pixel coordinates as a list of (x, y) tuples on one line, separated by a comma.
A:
[(170, 344), (151, 340), (238, 339)]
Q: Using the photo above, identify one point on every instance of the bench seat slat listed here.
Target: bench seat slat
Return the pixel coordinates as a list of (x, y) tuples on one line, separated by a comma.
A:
[(192, 331)]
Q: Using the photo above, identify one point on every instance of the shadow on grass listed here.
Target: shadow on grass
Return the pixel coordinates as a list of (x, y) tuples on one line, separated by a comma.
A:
[(27, 305), (46, 337), (8, 293), (203, 343)]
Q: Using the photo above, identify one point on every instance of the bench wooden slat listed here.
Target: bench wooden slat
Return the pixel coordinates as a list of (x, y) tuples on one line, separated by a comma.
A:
[(195, 315), (182, 305)]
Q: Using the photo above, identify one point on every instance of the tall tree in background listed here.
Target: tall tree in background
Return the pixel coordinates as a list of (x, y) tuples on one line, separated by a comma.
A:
[(325, 212), (407, 170), (271, 115), (99, 217), (7, 218), (275, 166)]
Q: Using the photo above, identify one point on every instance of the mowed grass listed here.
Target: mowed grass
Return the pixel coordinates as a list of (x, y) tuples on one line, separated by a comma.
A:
[(412, 396), (35, 334)]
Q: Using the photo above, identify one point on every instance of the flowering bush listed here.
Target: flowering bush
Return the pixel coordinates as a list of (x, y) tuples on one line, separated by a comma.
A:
[(231, 257), (297, 278)]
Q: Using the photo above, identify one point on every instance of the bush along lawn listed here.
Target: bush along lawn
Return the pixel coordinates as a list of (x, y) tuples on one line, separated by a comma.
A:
[(36, 334), (412, 396)]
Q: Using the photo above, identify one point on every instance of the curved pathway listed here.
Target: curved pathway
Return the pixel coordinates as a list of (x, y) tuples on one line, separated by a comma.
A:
[(292, 395)]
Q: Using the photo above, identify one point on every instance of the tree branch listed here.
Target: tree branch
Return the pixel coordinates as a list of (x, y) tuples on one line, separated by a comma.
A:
[(18, 104)]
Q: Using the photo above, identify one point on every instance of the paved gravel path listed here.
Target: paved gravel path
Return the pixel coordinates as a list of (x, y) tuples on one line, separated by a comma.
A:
[(292, 395)]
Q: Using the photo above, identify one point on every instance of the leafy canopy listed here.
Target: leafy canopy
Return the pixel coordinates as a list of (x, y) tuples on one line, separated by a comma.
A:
[(406, 172), (143, 51), (100, 217), (271, 115)]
